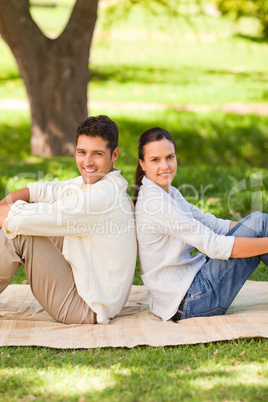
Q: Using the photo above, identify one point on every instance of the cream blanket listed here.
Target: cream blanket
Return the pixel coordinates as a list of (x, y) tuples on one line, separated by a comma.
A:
[(23, 322)]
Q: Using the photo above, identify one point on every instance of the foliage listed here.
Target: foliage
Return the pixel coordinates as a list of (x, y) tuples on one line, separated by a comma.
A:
[(117, 9), (146, 58), (202, 63), (251, 8)]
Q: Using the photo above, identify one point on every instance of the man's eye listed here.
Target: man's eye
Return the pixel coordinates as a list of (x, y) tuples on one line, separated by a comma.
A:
[(154, 160), (171, 156)]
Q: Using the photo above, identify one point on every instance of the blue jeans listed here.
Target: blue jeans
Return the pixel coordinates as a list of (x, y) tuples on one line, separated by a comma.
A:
[(217, 283)]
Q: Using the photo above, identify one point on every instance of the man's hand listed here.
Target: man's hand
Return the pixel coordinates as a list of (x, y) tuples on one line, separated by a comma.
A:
[(4, 210), (7, 202), (22, 194)]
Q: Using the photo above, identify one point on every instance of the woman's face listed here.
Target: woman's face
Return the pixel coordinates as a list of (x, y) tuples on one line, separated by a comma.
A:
[(160, 163)]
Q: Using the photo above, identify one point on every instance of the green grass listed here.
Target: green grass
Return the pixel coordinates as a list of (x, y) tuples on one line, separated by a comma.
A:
[(177, 61), (198, 60), (193, 59), (230, 371)]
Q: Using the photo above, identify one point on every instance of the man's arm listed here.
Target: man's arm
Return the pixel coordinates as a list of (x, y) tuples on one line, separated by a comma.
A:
[(73, 215), (7, 202), (22, 194)]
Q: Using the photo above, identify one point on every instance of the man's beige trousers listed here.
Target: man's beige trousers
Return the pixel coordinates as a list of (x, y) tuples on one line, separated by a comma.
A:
[(49, 274)]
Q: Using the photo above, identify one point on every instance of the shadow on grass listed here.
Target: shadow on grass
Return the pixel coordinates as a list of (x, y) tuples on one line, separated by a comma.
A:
[(210, 138), (183, 77), (136, 386), (221, 370), (213, 138), (10, 76), (240, 75), (15, 137), (256, 39), (17, 173)]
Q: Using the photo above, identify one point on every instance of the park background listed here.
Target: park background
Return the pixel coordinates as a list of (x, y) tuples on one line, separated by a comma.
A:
[(204, 78)]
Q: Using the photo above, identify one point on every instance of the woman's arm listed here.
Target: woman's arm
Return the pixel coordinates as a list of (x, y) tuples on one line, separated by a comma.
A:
[(22, 194), (232, 224), (245, 247)]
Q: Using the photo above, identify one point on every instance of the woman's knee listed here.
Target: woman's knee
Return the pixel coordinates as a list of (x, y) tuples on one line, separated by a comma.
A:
[(257, 221), (258, 217)]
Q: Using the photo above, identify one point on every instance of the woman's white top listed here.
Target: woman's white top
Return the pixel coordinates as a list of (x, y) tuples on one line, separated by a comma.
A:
[(168, 229)]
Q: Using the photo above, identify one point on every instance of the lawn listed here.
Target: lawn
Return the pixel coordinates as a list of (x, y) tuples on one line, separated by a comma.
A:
[(195, 59)]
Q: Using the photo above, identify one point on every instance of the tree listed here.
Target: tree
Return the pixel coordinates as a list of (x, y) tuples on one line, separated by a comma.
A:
[(55, 71), (251, 8)]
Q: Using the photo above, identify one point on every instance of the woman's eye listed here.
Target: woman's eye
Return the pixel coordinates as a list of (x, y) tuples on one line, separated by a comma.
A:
[(171, 156)]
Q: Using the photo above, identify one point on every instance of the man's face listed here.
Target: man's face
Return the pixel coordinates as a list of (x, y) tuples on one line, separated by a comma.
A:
[(94, 160)]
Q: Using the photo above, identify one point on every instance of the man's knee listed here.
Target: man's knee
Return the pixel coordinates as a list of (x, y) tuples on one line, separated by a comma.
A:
[(73, 319)]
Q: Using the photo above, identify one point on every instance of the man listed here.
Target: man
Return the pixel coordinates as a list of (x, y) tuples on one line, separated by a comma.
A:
[(83, 274)]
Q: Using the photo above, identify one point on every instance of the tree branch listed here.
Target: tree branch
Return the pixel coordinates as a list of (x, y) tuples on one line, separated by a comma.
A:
[(18, 28), (82, 19)]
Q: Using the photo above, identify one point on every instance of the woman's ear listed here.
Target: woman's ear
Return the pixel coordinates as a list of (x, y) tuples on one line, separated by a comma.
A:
[(142, 164)]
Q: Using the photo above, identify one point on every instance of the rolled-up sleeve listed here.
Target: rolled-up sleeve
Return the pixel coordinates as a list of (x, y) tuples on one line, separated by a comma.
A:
[(218, 225), (176, 222), (70, 216), (49, 192)]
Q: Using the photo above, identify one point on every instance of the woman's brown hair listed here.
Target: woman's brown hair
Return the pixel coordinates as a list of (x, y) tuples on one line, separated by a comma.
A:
[(151, 135)]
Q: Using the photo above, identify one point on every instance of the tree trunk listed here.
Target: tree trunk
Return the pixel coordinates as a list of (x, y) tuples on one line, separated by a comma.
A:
[(55, 72)]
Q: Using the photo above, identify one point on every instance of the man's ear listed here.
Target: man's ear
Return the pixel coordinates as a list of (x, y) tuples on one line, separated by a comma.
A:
[(115, 154), (142, 164)]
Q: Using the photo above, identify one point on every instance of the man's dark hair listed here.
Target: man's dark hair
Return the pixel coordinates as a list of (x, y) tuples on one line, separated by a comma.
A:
[(100, 126)]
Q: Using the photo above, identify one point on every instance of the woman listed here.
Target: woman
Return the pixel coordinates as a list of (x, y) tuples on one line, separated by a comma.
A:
[(182, 285)]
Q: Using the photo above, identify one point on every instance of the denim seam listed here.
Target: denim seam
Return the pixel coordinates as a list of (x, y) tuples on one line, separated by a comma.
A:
[(210, 313), (225, 272)]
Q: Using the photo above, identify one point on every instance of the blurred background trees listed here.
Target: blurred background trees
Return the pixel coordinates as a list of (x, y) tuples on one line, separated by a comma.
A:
[(55, 71), (246, 8), (172, 58)]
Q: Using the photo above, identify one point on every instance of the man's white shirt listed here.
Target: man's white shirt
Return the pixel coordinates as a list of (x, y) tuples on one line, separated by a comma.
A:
[(98, 226)]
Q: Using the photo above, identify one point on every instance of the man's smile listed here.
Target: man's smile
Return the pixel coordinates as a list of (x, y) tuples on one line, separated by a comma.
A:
[(90, 170)]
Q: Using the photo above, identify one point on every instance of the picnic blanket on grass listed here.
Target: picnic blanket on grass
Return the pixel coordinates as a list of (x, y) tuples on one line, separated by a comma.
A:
[(23, 322)]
